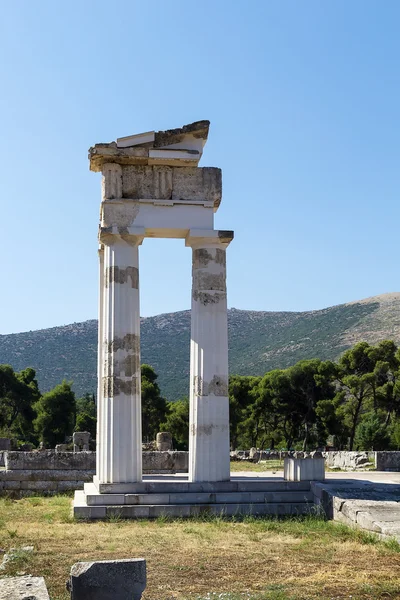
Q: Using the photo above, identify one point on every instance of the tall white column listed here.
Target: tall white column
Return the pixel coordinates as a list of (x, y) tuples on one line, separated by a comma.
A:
[(209, 458), (119, 406), (99, 401)]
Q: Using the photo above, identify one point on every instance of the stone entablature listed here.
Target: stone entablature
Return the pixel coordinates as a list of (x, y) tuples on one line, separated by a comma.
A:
[(173, 147), (165, 198), (181, 185)]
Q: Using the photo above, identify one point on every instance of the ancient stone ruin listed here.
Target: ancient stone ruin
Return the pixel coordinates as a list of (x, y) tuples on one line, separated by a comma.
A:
[(152, 186), (80, 440)]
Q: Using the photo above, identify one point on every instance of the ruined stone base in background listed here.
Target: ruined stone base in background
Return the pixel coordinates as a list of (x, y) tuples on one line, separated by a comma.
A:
[(23, 588)]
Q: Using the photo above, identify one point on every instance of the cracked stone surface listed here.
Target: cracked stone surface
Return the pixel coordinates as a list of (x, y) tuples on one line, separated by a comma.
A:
[(23, 588)]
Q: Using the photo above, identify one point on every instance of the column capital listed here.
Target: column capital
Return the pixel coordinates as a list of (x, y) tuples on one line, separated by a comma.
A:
[(113, 235), (201, 238)]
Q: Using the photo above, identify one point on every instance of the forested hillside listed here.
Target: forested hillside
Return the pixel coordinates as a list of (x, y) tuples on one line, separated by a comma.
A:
[(258, 342)]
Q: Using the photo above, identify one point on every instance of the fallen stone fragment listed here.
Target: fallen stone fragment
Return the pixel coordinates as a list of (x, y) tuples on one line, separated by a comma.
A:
[(23, 588), (108, 580)]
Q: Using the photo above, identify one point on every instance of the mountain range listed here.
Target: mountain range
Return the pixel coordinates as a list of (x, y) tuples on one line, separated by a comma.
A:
[(258, 342)]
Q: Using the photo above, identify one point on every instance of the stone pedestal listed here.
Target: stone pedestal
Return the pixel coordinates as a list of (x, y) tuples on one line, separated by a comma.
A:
[(209, 457), (164, 441), (304, 469), (119, 441)]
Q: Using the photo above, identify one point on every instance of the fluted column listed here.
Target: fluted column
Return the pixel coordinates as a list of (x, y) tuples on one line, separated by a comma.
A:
[(209, 458), (119, 408), (100, 323)]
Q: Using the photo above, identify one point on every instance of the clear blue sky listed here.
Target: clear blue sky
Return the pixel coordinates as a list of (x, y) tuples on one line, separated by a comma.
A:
[(303, 99)]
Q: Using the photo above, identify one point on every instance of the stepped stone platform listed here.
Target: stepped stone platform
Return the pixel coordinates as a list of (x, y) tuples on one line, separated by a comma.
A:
[(177, 497), (362, 503)]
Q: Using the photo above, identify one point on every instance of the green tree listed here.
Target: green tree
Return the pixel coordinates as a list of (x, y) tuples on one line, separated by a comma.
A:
[(357, 382), (86, 405), (371, 434), (18, 394), (311, 382), (85, 422), (395, 435), (263, 424), (56, 412), (154, 406), (241, 390), (177, 423)]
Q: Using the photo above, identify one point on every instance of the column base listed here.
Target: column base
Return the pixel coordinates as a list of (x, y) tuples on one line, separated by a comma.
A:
[(176, 497)]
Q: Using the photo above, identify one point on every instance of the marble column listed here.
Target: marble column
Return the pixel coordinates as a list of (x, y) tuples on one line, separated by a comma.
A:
[(209, 458), (100, 324), (119, 405)]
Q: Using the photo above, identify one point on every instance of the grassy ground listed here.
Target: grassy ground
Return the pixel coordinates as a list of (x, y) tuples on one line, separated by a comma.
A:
[(260, 559), (272, 466), (268, 465)]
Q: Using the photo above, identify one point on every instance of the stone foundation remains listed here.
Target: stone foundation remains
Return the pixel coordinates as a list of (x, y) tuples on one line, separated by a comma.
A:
[(54, 472), (343, 459)]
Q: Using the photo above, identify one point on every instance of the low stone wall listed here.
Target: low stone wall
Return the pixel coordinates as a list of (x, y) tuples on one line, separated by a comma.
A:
[(49, 460), (54, 472), (343, 459), (43, 480), (387, 461), (349, 460)]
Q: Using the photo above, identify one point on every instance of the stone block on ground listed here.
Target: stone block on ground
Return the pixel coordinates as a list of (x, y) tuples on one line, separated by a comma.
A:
[(304, 469), (108, 580), (164, 441), (170, 461), (61, 448), (23, 588), (80, 440)]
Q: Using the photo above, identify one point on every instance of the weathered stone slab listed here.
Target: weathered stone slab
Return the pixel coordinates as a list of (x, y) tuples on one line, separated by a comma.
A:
[(172, 461), (147, 182), (23, 588), (193, 183), (50, 460), (387, 461), (46, 475), (172, 183), (343, 459), (108, 580)]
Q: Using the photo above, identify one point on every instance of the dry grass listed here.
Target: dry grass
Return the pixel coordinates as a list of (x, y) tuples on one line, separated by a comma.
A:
[(299, 559), (271, 466), (267, 465)]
